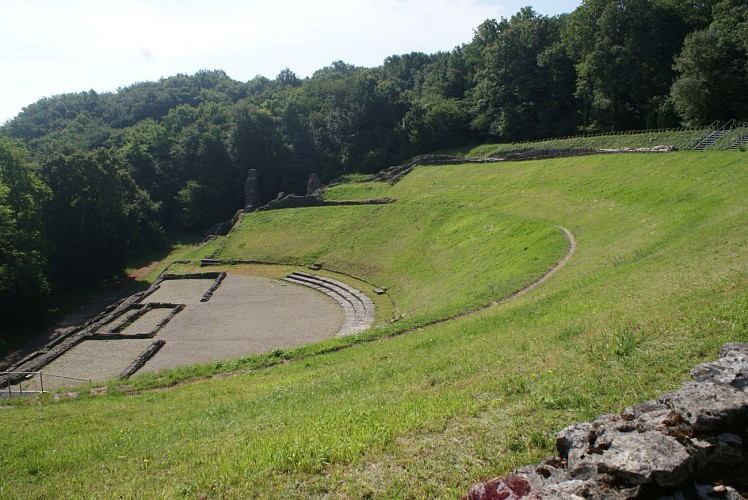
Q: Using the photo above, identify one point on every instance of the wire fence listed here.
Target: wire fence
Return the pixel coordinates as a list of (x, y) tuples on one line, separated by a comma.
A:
[(14, 385)]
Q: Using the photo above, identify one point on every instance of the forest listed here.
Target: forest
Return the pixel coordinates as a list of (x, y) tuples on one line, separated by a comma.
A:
[(89, 180)]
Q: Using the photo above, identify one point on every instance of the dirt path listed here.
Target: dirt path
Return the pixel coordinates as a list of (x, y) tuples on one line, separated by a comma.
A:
[(141, 272), (546, 276), (513, 295)]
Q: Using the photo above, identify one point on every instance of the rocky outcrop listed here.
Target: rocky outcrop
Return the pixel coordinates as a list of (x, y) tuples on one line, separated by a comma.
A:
[(687, 444)]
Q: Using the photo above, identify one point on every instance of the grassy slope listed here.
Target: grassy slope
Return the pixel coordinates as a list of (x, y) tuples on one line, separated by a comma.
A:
[(682, 140), (436, 254), (659, 281)]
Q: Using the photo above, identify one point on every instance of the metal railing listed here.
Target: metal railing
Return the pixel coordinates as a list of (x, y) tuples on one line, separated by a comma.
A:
[(28, 375)]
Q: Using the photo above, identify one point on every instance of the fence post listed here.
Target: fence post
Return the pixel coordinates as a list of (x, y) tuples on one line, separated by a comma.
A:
[(41, 382), (7, 378)]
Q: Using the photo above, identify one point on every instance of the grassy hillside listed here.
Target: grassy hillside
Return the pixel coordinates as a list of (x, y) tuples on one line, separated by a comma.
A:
[(683, 140), (436, 256), (658, 283)]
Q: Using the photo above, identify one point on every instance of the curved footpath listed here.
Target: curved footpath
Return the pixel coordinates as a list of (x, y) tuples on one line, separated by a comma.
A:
[(521, 291), (553, 270)]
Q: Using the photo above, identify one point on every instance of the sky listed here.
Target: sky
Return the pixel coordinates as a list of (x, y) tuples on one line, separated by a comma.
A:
[(51, 47)]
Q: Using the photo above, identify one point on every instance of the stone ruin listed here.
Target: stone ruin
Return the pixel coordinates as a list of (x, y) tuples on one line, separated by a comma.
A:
[(251, 191), (313, 198), (692, 443), (314, 186)]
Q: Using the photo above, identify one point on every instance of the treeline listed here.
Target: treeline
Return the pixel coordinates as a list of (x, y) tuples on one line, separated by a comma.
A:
[(90, 178)]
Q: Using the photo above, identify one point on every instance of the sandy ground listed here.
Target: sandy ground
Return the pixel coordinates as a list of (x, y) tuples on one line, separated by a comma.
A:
[(188, 291), (91, 359), (246, 315), (147, 322)]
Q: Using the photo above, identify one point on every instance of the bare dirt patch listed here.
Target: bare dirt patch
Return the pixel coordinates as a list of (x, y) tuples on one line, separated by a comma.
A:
[(142, 272)]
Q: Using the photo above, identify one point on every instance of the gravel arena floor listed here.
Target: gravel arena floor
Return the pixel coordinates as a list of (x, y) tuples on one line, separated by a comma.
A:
[(245, 315)]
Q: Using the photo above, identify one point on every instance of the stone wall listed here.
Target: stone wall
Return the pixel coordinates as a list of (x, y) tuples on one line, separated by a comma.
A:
[(293, 201), (99, 326), (687, 444)]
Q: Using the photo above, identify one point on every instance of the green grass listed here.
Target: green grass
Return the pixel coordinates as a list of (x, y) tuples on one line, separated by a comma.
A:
[(681, 139), (658, 283), (436, 256), (358, 191)]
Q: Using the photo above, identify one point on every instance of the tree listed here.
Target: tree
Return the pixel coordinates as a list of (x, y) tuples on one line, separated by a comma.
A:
[(256, 141), (96, 215), (214, 193), (624, 50), (288, 77), (713, 68), (23, 250), (521, 84)]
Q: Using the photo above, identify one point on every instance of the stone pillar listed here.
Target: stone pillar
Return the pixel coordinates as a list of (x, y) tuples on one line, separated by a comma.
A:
[(313, 185), (251, 191)]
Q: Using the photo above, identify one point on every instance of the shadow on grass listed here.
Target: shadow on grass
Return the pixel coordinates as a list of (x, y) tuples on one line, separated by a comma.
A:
[(71, 307)]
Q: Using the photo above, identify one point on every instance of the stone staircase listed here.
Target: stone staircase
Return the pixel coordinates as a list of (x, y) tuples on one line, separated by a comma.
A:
[(359, 309), (735, 145), (709, 140), (714, 137)]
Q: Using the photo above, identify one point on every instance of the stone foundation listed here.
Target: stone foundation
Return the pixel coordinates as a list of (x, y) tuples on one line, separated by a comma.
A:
[(687, 444)]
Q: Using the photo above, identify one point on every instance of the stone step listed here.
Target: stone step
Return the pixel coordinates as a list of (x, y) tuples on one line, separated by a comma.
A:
[(363, 304), (735, 145), (350, 323), (325, 287), (366, 303), (358, 308)]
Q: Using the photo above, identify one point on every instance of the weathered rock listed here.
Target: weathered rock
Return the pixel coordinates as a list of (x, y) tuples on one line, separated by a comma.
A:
[(728, 450), (655, 449), (251, 191), (709, 492), (701, 452), (509, 488), (641, 458), (540, 475), (575, 489), (572, 443), (707, 406), (572, 489), (737, 347), (731, 369)]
